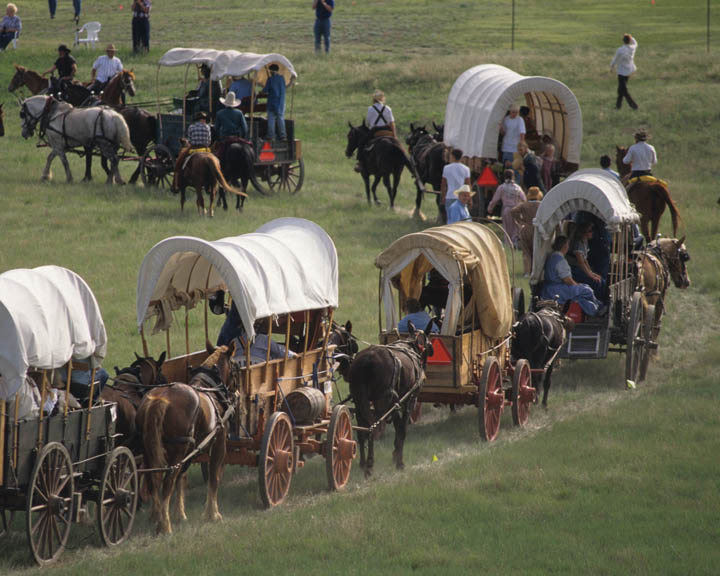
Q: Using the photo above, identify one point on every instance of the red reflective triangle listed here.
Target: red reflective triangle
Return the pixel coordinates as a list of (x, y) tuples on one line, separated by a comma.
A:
[(440, 353), (266, 153), (487, 178)]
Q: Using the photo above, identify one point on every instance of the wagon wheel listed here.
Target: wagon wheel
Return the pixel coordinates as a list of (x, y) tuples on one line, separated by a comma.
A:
[(648, 333), (416, 412), (518, 300), (339, 448), (491, 399), (117, 501), (50, 503), (523, 394), (284, 177), (276, 459), (6, 518), (258, 176), (633, 343), (157, 166)]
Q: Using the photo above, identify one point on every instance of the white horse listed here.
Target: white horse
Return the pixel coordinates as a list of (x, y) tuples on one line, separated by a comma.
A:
[(65, 127)]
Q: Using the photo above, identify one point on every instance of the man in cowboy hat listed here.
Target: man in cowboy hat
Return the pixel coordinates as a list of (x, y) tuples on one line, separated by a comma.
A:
[(458, 211), (199, 138), (641, 156), (65, 65), (104, 68), (275, 89), (230, 121)]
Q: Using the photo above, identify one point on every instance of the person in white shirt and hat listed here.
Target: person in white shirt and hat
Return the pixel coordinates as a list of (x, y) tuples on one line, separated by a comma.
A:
[(458, 211), (624, 59), (104, 68), (230, 121), (641, 156)]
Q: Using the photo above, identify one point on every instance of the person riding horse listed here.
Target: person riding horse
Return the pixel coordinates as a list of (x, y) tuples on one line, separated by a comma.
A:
[(381, 121), (104, 68), (199, 138), (230, 124), (66, 67), (641, 156)]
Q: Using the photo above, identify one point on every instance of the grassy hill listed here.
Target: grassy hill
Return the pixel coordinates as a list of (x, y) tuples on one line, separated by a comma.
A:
[(605, 481)]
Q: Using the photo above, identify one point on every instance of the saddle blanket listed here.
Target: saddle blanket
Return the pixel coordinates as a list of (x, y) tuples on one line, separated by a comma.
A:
[(194, 151), (645, 178)]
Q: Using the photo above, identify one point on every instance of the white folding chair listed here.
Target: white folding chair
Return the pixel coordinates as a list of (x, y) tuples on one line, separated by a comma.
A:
[(91, 29)]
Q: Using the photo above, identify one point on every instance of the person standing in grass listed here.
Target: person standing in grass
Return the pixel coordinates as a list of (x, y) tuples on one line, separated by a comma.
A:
[(509, 194), (323, 12), (454, 175), (624, 59), (141, 25)]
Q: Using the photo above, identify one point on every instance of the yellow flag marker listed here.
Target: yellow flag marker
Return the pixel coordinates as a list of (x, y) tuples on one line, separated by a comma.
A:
[(435, 458), (630, 384)]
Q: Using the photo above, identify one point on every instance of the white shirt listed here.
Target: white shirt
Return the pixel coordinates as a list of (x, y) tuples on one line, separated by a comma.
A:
[(624, 59), (514, 128), (373, 116), (641, 156), (107, 67), (455, 174)]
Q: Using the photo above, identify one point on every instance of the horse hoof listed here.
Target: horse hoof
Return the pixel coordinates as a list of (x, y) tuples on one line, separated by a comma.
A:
[(368, 473), (419, 215)]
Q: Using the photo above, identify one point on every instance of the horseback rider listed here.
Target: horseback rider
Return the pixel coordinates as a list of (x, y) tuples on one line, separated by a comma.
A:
[(641, 156), (199, 138), (381, 122), (104, 68), (66, 67), (230, 123)]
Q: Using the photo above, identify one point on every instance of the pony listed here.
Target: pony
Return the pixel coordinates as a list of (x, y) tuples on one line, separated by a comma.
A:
[(128, 389), (175, 419), (537, 336), (237, 161), (427, 155), (66, 127), (29, 78), (381, 157), (650, 199), (380, 376), (346, 346), (201, 170)]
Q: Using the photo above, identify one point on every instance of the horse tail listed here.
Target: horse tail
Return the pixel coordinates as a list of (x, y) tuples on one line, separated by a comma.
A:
[(664, 192), (217, 172), (122, 136), (152, 432)]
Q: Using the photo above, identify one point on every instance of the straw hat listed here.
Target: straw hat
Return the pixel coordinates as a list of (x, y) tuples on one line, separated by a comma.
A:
[(230, 101), (641, 135), (464, 188), (534, 193), (110, 48), (379, 96)]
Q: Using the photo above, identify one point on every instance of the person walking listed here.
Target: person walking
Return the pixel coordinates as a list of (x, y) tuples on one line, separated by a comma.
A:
[(323, 12), (141, 25), (624, 59), (510, 195)]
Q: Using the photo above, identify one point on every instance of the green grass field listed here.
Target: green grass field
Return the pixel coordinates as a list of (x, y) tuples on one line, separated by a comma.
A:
[(606, 481)]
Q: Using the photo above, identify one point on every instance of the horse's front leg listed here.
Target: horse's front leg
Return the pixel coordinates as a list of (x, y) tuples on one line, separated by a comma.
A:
[(200, 200), (546, 385), (366, 179), (66, 165), (390, 189), (115, 169), (400, 422), (47, 173), (370, 462)]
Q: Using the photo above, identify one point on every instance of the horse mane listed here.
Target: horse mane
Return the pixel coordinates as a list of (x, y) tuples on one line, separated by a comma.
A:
[(129, 73), (213, 359)]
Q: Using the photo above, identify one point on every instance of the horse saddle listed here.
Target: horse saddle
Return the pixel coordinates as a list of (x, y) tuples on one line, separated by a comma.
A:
[(644, 178), (192, 152)]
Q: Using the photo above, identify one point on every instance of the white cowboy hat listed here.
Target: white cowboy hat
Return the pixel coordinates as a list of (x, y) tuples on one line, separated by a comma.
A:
[(230, 101), (464, 188), (379, 96)]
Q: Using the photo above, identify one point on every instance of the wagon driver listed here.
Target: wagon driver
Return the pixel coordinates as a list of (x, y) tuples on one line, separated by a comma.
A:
[(199, 138), (104, 68)]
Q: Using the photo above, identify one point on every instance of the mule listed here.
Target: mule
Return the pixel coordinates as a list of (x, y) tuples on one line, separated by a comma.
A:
[(201, 171), (537, 336), (128, 389), (32, 80), (237, 164), (346, 347), (379, 377), (649, 198), (66, 127), (174, 419), (439, 135), (427, 155), (381, 157)]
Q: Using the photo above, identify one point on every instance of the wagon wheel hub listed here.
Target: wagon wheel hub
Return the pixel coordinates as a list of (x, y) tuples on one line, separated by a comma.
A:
[(282, 461), (57, 505), (528, 394), (346, 449), (122, 499), (495, 399)]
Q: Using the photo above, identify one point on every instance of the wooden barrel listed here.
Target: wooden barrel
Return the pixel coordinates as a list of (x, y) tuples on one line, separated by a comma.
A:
[(304, 404)]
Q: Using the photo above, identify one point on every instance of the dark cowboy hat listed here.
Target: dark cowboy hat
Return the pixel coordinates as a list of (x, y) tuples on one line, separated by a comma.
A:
[(201, 116), (63, 48), (274, 67), (641, 135)]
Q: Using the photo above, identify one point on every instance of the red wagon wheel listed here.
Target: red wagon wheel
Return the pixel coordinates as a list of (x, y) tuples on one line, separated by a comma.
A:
[(277, 452), (117, 501), (50, 503), (491, 399), (340, 448), (523, 394)]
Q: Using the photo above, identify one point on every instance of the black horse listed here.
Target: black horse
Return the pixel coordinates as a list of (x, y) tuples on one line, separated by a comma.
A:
[(381, 376), (439, 132), (381, 157), (346, 346), (237, 161), (427, 154), (536, 337)]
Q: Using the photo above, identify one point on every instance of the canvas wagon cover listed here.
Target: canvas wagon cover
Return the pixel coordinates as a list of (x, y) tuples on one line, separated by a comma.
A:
[(482, 95), (464, 248), (593, 190), (48, 315), (287, 265)]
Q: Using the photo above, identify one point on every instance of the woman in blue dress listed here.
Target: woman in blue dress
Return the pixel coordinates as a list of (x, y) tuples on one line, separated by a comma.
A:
[(560, 286)]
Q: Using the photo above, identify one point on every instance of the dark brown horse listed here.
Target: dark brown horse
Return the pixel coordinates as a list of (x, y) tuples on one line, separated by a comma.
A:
[(346, 346), (649, 198), (202, 172), (237, 160), (128, 389), (29, 78), (380, 376), (427, 154), (176, 419)]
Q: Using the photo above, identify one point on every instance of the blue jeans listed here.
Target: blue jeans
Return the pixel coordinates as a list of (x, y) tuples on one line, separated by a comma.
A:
[(322, 29), (507, 157), (77, 5), (275, 117), (52, 5)]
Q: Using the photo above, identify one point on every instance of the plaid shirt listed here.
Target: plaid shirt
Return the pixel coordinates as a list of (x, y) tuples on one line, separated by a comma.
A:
[(199, 135), (141, 14)]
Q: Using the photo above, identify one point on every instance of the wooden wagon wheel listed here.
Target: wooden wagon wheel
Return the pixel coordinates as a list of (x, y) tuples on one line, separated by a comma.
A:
[(282, 177), (157, 166), (117, 500), (257, 176), (522, 394), (648, 333), (491, 399), (340, 448), (6, 518), (277, 453), (50, 503), (633, 343)]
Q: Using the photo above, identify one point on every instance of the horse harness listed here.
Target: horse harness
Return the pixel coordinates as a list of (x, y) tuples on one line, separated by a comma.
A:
[(655, 255), (549, 310), (405, 349)]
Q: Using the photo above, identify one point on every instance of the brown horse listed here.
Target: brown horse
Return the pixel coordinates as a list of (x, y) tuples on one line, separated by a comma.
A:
[(176, 419), (649, 198), (202, 171), (29, 78)]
